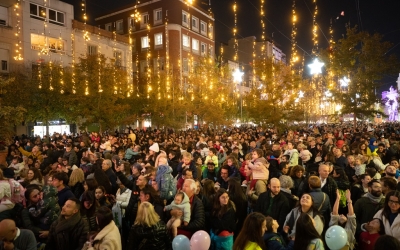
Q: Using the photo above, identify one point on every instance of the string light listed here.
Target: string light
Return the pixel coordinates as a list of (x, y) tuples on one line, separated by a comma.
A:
[(85, 39), (294, 57), (18, 47), (61, 69), (263, 39), (314, 31), (168, 84), (73, 62), (235, 45), (99, 87), (115, 60)]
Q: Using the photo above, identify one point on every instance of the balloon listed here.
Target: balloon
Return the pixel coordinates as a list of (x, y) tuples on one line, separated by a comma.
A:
[(200, 241), (181, 242), (336, 237)]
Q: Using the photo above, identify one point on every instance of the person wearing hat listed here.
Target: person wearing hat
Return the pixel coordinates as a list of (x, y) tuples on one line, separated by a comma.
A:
[(154, 150)]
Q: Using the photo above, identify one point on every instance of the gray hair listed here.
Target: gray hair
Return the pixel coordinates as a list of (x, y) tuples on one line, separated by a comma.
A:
[(192, 184), (108, 162), (286, 182)]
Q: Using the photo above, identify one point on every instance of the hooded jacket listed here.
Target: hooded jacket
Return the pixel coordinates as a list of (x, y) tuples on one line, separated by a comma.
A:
[(274, 241), (164, 178), (184, 206), (108, 238), (259, 169)]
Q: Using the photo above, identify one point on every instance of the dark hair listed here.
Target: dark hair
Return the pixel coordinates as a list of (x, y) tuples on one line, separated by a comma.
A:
[(259, 152), (270, 222), (186, 170), (386, 209), (181, 194), (36, 174), (77, 203), (305, 232), (235, 190), (296, 169), (381, 226), (371, 183), (90, 197), (251, 231), (208, 188), (104, 216), (283, 165), (85, 159), (154, 196), (340, 171), (29, 189), (371, 172), (61, 176), (218, 210), (362, 176), (213, 150), (92, 184), (387, 242), (389, 182)]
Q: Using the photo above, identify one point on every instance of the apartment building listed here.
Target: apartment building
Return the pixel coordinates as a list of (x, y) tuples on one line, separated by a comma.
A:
[(163, 30)]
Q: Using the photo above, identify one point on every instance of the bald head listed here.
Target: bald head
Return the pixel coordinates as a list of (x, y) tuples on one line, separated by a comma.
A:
[(275, 186), (8, 230)]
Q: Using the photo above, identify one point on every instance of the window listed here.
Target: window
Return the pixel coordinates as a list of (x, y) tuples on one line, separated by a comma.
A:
[(145, 42), (92, 50), (56, 17), (119, 27), (185, 16), (4, 65), (185, 41), (118, 58), (195, 24), (47, 44), (203, 28), (158, 39), (131, 23), (195, 45), (185, 65), (158, 16), (210, 32), (203, 49), (3, 15), (37, 11), (108, 27), (144, 20)]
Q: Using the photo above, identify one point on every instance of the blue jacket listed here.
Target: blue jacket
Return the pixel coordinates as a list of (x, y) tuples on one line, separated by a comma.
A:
[(64, 195), (275, 241)]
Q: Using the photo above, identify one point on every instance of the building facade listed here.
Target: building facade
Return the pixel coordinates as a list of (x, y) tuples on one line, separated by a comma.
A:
[(163, 32)]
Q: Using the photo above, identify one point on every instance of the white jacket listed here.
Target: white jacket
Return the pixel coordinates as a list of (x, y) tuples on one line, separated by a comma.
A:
[(393, 230), (123, 199)]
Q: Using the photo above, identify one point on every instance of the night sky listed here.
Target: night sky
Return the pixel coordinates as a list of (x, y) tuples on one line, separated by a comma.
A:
[(382, 16)]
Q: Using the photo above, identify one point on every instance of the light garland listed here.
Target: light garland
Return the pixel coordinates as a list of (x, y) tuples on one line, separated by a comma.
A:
[(73, 62), (99, 86), (294, 57), (18, 47), (235, 44), (85, 39), (314, 31), (168, 84)]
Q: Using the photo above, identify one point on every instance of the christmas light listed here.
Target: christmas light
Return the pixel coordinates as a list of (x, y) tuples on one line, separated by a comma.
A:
[(294, 57), (237, 76), (18, 47), (344, 82), (316, 67)]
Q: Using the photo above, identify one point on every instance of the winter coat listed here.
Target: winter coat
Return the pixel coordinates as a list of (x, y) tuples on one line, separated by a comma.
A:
[(394, 229), (72, 158), (192, 167), (123, 198), (321, 202), (37, 156), (350, 228), (5, 194), (165, 183), (225, 223), (113, 180), (78, 189), (197, 217), (131, 209), (70, 234), (184, 207), (330, 189), (108, 238), (259, 169), (275, 241), (280, 206), (365, 209), (292, 217), (155, 237)]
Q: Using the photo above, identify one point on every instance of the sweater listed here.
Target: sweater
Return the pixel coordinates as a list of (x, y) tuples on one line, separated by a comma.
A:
[(350, 228), (25, 241)]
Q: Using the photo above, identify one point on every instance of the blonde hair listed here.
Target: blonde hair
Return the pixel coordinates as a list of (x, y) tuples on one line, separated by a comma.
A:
[(76, 176), (146, 216), (187, 155)]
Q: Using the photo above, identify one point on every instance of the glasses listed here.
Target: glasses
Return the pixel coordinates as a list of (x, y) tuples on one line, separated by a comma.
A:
[(394, 202)]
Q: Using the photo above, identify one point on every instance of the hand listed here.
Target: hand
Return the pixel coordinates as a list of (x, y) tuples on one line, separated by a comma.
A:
[(244, 182), (117, 168), (251, 191), (8, 245), (43, 234), (176, 213), (286, 229), (185, 223)]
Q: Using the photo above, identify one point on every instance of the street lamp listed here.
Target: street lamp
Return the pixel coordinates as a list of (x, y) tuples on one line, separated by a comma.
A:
[(238, 77)]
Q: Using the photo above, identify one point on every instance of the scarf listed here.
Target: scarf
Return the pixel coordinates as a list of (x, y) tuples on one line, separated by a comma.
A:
[(373, 198), (64, 224)]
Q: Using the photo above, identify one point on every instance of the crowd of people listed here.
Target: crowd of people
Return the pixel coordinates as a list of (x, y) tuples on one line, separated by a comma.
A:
[(248, 187)]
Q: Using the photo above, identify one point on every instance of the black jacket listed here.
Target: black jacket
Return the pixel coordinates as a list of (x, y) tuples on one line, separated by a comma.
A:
[(149, 238), (68, 234), (280, 206), (131, 209), (226, 223), (197, 217)]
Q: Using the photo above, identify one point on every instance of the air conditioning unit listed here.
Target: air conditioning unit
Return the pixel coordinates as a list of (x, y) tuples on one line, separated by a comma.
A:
[(3, 22)]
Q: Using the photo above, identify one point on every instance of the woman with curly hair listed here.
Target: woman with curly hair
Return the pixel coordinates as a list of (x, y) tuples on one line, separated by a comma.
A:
[(76, 182), (34, 177)]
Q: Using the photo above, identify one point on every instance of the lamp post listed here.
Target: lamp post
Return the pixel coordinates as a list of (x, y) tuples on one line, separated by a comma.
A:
[(238, 77)]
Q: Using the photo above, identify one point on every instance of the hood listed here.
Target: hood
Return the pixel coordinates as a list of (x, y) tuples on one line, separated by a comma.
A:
[(185, 199), (64, 190), (269, 235), (262, 160), (164, 169)]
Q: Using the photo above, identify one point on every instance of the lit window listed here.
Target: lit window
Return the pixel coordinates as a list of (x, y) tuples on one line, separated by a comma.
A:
[(145, 42), (186, 41), (158, 39), (47, 44), (195, 45)]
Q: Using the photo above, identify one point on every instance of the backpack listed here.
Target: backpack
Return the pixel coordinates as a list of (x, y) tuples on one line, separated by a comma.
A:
[(117, 214), (168, 187)]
